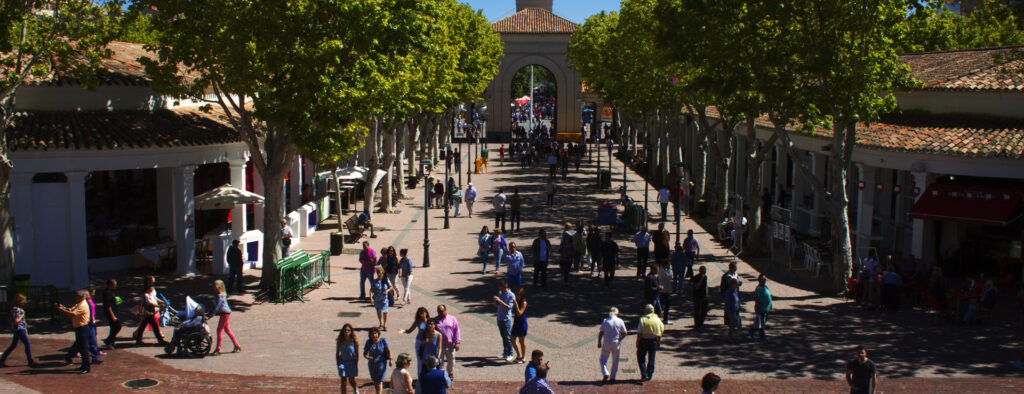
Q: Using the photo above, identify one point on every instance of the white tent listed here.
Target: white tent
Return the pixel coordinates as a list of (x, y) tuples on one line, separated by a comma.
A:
[(359, 174), (226, 197)]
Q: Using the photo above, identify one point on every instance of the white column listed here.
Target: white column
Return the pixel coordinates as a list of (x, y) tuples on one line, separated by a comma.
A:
[(22, 230), (184, 219), (238, 224), (77, 231), (866, 212)]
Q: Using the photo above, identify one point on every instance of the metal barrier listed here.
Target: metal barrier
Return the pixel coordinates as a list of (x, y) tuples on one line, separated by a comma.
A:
[(39, 300), (300, 271)]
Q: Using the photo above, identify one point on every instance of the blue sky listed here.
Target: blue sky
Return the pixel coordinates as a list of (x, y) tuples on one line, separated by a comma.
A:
[(574, 10)]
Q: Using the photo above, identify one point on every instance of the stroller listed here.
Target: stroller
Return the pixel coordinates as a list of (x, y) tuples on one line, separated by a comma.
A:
[(191, 333)]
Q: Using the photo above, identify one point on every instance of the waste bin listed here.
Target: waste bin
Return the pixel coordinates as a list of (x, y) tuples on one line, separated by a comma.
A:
[(337, 243), (22, 283), (484, 155), (604, 179)]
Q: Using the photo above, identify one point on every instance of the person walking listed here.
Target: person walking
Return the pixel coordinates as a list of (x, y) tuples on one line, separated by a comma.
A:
[(700, 298), (762, 305), (552, 165), (678, 268), (20, 331), (346, 356), (419, 323), (368, 262), (458, 161), (223, 312), (536, 363), (515, 204), (709, 383), (549, 190), (234, 259), (661, 239), (541, 250), (651, 285), (448, 326), (539, 383), (405, 271), (80, 322), (692, 250), (566, 253), (665, 279), (286, 237), (519, 325), (861, 373), (732, 305), (111, 301), (579, 245), (594, 248), (514, 262), (401, 379), (663, 195), (724, 287), (609, 258), (498, 202), (470, 198), (378, 355), (391, 270), (483, 240), (648, 340), (93, 344), (504, 302), (430, 343), (449, 190), (609, 340), (379, 290), (147, 314), (498, 248), (642, 241), (457, 199), (433, 380)]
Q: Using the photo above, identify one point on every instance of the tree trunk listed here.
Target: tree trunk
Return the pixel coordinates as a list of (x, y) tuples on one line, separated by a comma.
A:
[(273, 207), (389, 161), (755, 161), (725, 152), (337, 199), (7, 253), (373, 164), (402, 142), (841, 156)]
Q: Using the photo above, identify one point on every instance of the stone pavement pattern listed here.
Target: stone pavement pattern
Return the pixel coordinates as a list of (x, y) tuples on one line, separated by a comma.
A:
[(285, 345)]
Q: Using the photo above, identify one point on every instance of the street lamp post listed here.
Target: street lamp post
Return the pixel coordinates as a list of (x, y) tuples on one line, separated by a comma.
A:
[(679, 203), (647, 159), (447, 187), (427, 165)]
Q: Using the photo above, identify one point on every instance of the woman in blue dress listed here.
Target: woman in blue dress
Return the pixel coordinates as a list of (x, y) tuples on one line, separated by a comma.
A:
[(519, 326), (379, 290), (347, 357), (430, 344), (420, 325), (378, 354)]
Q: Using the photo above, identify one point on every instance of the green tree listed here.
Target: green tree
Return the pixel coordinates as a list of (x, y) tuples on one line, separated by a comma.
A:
[(521, 80), (310, 72), (44, 39), (930, 26)]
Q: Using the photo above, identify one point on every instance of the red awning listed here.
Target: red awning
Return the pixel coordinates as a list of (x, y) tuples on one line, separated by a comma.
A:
[(967, 204)]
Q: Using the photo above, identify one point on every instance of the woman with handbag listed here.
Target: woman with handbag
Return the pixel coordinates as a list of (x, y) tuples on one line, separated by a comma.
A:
[(148, 314)]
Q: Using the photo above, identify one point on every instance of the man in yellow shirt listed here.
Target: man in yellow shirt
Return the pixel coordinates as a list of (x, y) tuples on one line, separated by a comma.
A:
[(79, 315), (648, 339)]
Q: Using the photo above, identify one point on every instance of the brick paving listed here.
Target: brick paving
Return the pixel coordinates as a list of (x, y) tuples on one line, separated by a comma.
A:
[(290, 347)]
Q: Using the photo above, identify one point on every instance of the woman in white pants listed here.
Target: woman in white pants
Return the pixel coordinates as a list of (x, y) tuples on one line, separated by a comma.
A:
[(405, 270), (613, 330)]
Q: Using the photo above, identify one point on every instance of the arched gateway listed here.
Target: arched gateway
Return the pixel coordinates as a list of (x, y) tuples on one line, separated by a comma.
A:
[(534, 36)]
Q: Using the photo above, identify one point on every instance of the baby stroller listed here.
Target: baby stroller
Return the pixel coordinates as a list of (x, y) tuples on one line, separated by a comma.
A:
[(191, 333)]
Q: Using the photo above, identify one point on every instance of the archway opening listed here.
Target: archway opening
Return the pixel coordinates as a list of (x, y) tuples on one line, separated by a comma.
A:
[(533, 101)]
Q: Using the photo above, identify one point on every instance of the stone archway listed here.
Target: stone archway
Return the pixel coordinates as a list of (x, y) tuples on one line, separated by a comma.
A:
[(534, 36)]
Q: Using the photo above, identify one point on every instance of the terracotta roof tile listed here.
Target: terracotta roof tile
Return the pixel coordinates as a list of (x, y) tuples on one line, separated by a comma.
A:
[(105, 130), (943, 134), (123, 68), (534, 21), (969, 69)]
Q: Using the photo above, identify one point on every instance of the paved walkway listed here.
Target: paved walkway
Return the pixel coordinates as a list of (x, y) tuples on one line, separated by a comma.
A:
[(811, 335)]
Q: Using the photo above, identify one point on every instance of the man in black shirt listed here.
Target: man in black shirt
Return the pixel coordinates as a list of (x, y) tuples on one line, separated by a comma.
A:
[(234, 258), (609, 258), (109, 302), (860, 373)]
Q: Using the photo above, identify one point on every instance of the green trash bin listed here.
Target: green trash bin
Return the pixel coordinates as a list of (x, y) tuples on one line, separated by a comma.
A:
[(484, 154), (604, 179), (21, 284)]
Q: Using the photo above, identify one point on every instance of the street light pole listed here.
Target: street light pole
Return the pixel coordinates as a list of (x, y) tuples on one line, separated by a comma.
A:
[(647, 159), (426, 215), (447, 187), (679, 203)]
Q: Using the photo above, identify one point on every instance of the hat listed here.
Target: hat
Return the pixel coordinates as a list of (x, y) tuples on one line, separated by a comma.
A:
[(469, 183)]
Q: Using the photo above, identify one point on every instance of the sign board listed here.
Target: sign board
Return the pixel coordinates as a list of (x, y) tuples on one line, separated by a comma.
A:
[(606, 112), (569, 137)]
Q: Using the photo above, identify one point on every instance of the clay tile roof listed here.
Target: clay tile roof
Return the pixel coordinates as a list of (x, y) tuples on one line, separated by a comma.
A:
[(123, 68), (968, 69), (942, 134), (106, 130), (534, 21)]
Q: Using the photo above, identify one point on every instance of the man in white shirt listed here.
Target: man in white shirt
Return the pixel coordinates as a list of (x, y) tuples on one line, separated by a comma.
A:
[(499, 209), (286, 238), (609, 339), (663, 194)]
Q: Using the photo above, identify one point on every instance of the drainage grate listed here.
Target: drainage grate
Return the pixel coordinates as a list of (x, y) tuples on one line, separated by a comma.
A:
[(629, 370), (140, 383), (349, 314)]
